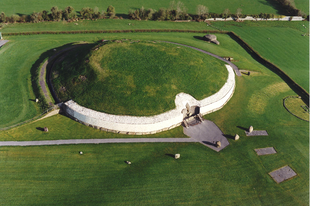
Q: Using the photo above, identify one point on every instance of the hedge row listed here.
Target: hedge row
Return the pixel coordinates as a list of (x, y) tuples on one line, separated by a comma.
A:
[(293, 85), (111, 31)]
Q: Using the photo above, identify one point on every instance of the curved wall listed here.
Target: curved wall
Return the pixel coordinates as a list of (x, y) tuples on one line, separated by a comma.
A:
[(151, 124)]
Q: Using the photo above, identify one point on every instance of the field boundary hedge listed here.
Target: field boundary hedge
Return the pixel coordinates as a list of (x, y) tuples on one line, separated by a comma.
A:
[(112, 31), (294, 86)]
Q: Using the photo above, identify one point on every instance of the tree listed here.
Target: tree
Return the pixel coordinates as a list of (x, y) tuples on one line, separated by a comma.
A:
[(226, 13), (96, 13), (202, 11), (45, 15), (111, 11), (54, 11), (68, 12), (238, 12), (2, 17), (87, 13)]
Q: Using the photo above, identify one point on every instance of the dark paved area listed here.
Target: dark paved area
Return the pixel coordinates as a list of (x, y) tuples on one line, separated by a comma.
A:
[(282, 174), (265, 151), (238, 73), (3, 42), (257, 133), (207, 133)]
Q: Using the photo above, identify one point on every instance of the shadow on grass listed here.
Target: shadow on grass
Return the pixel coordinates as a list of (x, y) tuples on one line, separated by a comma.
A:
[(199, 38), (243, 128), (170, 155), (229, 136), (40, 129), (35, 70), (276, 6)]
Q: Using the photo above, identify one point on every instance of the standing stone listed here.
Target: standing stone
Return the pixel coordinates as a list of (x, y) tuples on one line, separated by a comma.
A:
[(45, 129), (218, 144), (81, 152), (128, 162), (37, 100), (251, 129), (177, 156), (237, 137)]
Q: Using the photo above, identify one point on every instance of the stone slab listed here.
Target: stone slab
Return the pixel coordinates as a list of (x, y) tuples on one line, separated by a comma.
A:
[(257, 133), (265, 151), (282, 174)]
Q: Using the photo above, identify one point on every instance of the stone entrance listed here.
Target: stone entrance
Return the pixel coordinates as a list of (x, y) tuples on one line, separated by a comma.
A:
[(191, 115)]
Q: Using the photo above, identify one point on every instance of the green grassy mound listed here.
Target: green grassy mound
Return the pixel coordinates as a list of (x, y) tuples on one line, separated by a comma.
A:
[(135, 78)]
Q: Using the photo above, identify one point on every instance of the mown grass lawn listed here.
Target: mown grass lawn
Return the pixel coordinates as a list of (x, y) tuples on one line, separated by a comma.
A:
[(58, 175), (122, 7), (282, 43)]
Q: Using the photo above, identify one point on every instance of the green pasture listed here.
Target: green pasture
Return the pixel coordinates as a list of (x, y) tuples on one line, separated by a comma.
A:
[(136, 78), (106, 24), (58, 175), (282, 43), (27, 7)]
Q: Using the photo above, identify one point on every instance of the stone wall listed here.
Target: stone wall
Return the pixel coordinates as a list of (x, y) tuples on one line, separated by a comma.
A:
[(151, 124)]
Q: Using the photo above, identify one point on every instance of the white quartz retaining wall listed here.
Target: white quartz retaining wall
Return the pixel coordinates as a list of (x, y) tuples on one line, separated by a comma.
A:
[(151, 124)]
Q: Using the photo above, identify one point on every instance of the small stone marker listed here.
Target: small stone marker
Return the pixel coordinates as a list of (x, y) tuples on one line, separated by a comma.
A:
[(45, 129), (218, 144), (128, 162), (177, 156), (37, 100), (251, 129), (237, 137), (80, 152)]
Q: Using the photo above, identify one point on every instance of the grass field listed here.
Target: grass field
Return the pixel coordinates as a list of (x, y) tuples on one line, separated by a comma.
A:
[(279, 42), (107, 24), (22, 61), (58, 175), (136, 78), (122, 7)]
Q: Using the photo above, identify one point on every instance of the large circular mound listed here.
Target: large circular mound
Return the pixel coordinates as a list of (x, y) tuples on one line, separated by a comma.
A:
[(134, 77)]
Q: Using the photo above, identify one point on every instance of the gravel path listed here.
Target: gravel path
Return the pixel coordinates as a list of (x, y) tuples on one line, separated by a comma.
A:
[(43, 71)]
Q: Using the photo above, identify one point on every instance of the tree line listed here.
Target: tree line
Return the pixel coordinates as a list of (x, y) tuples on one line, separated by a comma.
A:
[(176, 11), (56, 14)]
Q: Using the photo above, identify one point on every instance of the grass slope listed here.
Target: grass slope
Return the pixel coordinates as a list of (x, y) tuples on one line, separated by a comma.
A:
[(26, 7), (280, 42), (132, 78)]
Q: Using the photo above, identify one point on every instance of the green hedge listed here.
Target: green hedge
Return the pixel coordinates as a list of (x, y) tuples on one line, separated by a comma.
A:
[(293, 85)]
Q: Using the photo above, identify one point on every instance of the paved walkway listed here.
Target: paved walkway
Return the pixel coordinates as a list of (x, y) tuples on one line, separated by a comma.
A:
[(3, 42), (238, 73), (94, 141), (208, 134), (43, 71)]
